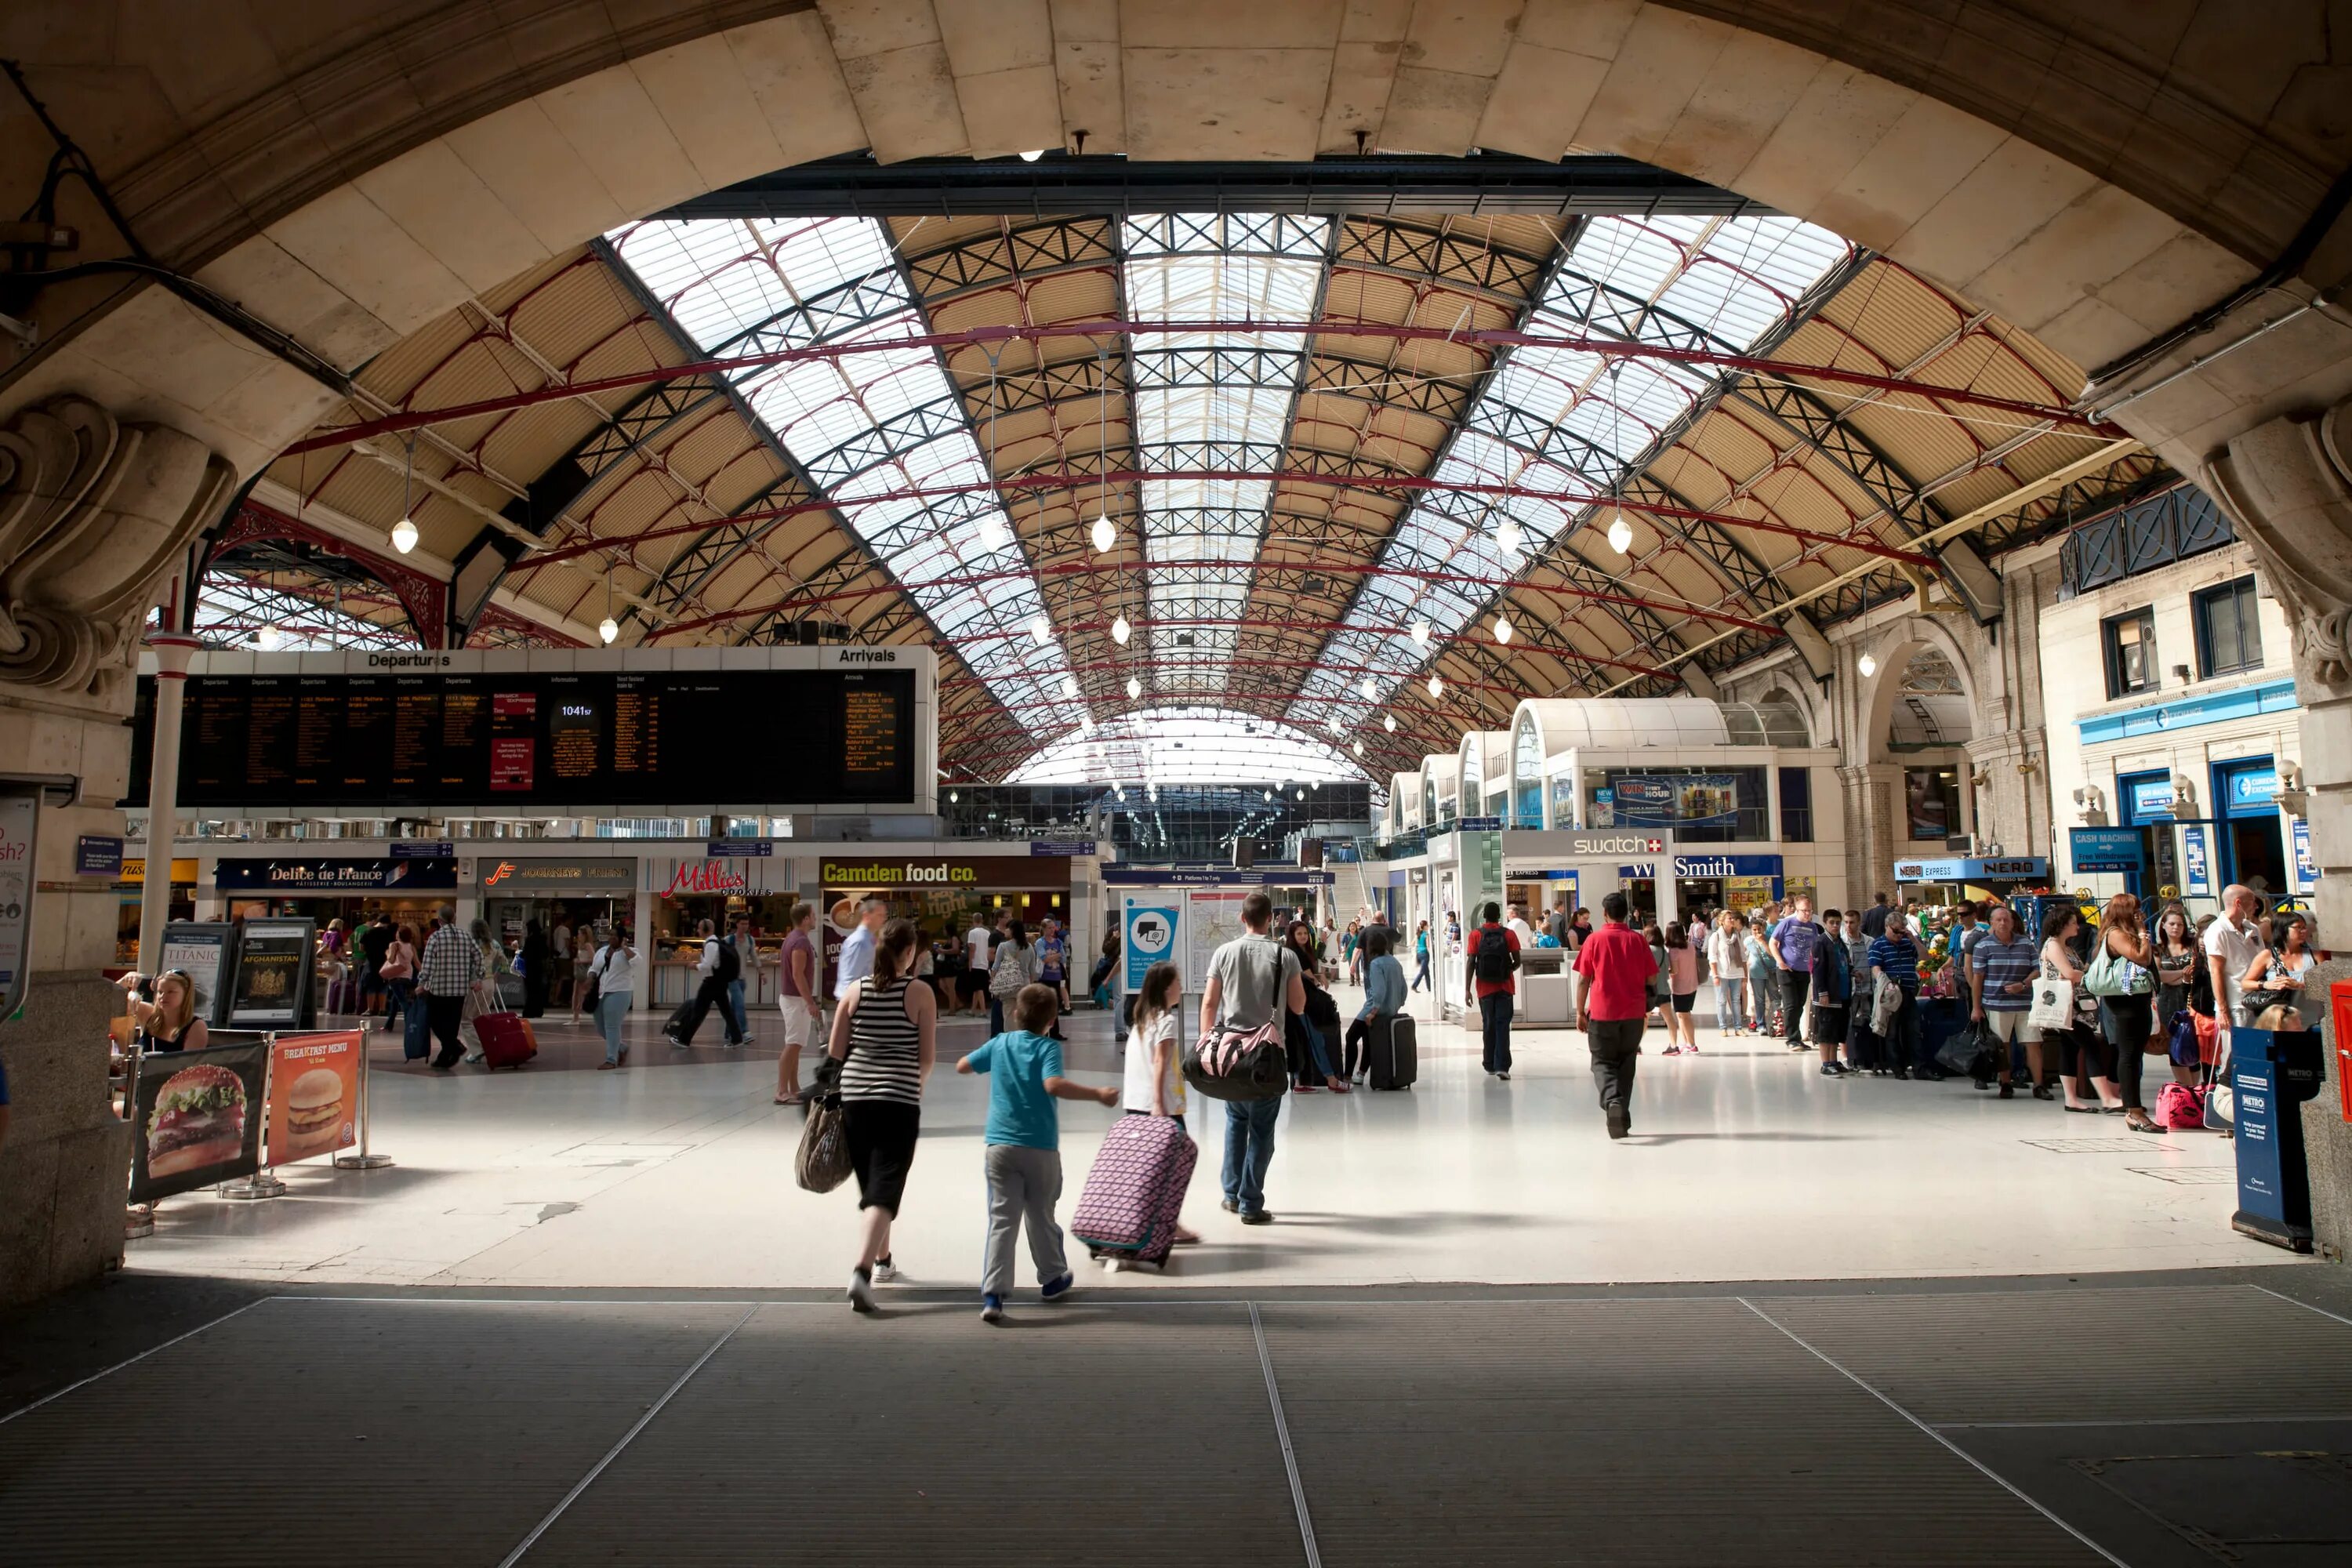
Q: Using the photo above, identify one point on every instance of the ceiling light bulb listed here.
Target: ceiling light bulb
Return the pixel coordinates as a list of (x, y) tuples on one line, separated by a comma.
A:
[(1105, 535), (953, 797), (1390, 723), (609, 629), (1867, 665), (994, 533), (1371, 688), (1358, 748), (1509, 538), (1503, 628), (1120, 631), (269, 637), (1621, 535), (1069, 686), (1134, 687), (1087, 724), (403, 536), (1041, 629), (1032, 157), (1421, 633), (1269, 794)]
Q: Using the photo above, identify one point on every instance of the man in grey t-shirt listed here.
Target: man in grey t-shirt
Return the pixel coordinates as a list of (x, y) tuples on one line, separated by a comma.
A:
[(1252, 979)]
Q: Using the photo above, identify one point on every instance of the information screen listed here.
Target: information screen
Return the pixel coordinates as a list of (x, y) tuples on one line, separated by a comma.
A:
[(544, 739)]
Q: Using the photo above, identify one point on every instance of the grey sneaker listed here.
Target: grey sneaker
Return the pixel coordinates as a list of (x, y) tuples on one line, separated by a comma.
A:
[(861, 1291), (885, 1271)]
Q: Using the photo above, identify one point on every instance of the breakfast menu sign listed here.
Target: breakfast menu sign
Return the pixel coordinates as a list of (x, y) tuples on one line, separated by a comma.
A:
[(314, 1095)]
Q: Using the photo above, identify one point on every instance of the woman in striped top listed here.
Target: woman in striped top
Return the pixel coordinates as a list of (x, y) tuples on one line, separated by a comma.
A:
[(885, 1036)]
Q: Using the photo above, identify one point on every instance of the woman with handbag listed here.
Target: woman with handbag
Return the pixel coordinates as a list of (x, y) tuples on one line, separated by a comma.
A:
[(885, 1034), (2080, 1046), (609, 980), (398, 973), (1313, 1032), (2123, 977), (1015, 965), (2177, 967), (2279, 973)]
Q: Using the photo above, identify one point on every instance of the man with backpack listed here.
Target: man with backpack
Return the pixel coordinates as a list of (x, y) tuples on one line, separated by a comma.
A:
[(1494, 958), (1253, 980), (719, 968)]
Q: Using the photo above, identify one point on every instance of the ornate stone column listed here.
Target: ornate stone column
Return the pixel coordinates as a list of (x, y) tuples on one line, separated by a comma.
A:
[(94, 512), (2287, 485)]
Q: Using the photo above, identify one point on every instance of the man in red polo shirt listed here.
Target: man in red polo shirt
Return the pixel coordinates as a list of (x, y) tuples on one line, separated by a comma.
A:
[(1614, 1005)]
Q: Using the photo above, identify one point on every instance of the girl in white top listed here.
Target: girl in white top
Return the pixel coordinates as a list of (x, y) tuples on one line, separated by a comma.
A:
[(614, 970), (1155, 1077)]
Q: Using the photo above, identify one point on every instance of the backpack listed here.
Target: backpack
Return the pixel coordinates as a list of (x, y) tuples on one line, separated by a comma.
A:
[(1229, 1062), (1496, 960), (1004, 977), (2180, 1107), (730, 962)]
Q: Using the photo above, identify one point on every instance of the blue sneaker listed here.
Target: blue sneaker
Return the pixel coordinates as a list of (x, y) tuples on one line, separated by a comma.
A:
[(1061, 1287), (992, 1309)]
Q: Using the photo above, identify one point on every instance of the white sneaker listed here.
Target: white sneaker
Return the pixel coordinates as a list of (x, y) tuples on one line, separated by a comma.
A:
[(861, 1291), (885, 1271), (475, 1057)]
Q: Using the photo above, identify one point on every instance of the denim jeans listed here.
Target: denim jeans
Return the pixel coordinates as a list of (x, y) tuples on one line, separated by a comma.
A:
[(611, 1006), (1494, 1024), (1318, 1054), (1421, 974), (1731, 1005), (735, 1005), (1249, 1150)]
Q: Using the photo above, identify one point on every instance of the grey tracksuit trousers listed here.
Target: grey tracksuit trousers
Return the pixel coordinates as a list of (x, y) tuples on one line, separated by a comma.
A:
[(1023, 1185)]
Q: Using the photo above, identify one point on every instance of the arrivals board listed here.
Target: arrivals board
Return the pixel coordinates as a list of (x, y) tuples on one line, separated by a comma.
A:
[(540, 739)]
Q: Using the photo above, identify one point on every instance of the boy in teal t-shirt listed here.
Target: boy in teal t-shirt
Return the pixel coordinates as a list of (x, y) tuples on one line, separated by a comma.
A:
[(1023, 1138)]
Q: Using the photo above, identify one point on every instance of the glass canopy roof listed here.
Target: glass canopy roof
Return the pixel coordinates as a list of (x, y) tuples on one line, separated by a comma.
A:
[(1562, 423), (868, 426), (1145, 750)]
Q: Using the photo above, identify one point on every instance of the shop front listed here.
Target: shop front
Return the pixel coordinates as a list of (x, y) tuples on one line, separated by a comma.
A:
[(2251, 833), (560, 892), (946, 895), (748, 881), (325, 889), (1951, 879), (130, 888)]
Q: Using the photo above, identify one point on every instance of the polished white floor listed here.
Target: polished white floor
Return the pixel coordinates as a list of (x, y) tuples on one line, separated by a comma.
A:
[(1745, 1164)]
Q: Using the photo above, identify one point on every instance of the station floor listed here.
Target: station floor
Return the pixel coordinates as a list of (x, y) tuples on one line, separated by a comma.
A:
[(1745, 1164), (588, 1318)]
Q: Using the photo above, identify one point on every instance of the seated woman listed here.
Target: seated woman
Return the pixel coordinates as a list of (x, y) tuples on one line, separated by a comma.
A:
[(1384, 998), (169, 1023)]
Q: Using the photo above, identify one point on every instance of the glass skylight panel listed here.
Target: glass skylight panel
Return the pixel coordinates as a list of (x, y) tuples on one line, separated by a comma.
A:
[(1209, 268), (1166, 746), (867, 428), (1560, 421)]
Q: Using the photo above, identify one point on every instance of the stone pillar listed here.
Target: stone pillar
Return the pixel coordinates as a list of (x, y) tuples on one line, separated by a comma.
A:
[(2287, 485), (94, 512), (172, 652)]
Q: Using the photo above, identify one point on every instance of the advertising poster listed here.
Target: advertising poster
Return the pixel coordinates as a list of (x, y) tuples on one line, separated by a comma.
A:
[(314, 1095), (197, 952), (273, 973), (1151, 938), (1214, 920), (1604, 809), (20, 816), (2306, 867), (196, 1119), (2196, 875), (1687, 800)]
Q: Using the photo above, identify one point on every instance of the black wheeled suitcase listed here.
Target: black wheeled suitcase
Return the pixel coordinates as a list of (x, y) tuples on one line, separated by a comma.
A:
[(1390, 1057)]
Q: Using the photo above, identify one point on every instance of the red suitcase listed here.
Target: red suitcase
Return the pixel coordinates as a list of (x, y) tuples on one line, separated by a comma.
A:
[(1136, 1189), (506, 1040)]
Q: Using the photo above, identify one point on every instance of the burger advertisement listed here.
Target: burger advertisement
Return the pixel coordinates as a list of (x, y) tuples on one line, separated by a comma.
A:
[(314, 1095), (197, 1119)]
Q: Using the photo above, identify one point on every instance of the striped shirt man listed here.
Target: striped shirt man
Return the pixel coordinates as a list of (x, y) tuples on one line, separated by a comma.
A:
[(1897, 957), (1998, 964)]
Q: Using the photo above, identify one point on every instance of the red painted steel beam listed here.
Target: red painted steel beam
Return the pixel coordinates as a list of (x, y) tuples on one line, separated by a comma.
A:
[(1492, 337), (1565, 500), (1101, 568)]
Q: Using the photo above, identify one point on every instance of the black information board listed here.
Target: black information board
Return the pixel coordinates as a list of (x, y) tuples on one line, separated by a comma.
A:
[(540, 740)]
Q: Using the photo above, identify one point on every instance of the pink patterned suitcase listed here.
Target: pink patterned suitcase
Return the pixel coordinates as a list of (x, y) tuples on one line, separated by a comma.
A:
[(1136, 1189)]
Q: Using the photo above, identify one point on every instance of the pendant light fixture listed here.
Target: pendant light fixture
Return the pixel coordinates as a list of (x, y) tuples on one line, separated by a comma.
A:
[(1120, 631), (1105, 535), (1358, 748), (1621, 535), (1371, 688), (1041, 630), (1389, 723), (1069, 686), (1867, 665), (608, 629), (1134, 688), (1502, 628), (1421, 632), (1436, 686), (404, 533)]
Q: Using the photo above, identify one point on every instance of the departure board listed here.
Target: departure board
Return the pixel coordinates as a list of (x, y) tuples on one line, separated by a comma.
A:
[(544, 740)]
